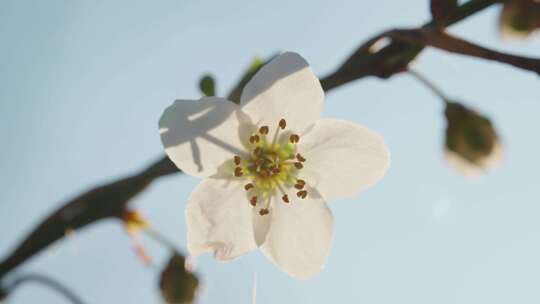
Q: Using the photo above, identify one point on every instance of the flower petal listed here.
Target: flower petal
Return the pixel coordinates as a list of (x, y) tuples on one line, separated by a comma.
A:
[(219, 219), (284, 88), (199, 136), (343, 158), (300, 235)]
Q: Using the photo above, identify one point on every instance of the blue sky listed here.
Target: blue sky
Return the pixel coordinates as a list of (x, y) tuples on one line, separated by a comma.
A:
[(83, 86)]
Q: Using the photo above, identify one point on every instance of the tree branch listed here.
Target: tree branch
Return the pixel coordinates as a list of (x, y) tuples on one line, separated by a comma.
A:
[(444, 41), (109, 200), (43, 280)]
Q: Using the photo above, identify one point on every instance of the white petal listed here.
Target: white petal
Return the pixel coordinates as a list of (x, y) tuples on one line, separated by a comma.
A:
[(284, 88), (199, 136), (343, 158), (300, 235), (261, 225), (219, 219)]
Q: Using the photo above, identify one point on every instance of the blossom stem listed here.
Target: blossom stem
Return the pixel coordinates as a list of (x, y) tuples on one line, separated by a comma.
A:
[(428, 84), (46, 281), (161, 239)]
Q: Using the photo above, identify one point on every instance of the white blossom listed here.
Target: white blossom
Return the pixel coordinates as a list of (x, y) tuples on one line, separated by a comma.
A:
[(269, 166)]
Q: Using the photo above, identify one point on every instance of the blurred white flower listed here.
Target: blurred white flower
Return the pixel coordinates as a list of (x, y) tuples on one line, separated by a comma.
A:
[(269, 166)]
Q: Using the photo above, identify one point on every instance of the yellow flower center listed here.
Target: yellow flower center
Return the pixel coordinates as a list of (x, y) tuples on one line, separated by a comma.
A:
[(272, 167)]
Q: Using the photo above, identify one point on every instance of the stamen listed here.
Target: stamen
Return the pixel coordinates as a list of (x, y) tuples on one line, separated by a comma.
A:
[(282, 124), (302, 194), (238, 172), (263, 130), (294, 138), (275, 170), (299, 186), (257, 151), (254, 139), (248, 186), (253, 201), (298, 165), (300, 181), (237, 160), (263, 211), (285, 198), (300, 158)]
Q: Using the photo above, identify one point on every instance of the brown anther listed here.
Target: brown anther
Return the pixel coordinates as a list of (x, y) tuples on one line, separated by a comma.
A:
[(298, 165), (237, 160), (302, 194), (300, 181), (285, 198), (263, 211), (294, 138), (299, 186), (253, 201), (254, 139), (238, 171), (275, 170), (248, 186), (264, 173), (263, 130), (300, 158), (257, 151), (259, 162), (282, 124)]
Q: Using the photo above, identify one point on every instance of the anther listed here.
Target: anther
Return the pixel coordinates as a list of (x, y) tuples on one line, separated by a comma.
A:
[(302, 194), (282, 124), (238, 171), (259, 162), (253, 201), (285, 198), (298, 165), (300, 181), (300, 158), (263, 211), (257, 151), (263, 130), (275, 170), (299, 186), (248, 186), (254, 139), (294, 138), (237, 160)]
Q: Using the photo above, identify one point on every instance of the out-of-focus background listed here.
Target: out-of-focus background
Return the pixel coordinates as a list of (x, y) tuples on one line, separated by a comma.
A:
[(83, 83)]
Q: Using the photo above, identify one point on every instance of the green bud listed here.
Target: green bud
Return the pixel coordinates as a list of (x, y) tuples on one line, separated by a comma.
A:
[(470, 139), (207, 85), (178, 284)]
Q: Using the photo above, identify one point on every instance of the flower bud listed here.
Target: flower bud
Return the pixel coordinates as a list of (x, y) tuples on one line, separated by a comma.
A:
[(207, 85), (178, 284), (519, 18), (472, 144)]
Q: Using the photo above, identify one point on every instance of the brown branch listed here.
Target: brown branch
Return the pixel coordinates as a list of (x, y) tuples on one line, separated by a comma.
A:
[(109, 200), (395, 57), (444, 41)]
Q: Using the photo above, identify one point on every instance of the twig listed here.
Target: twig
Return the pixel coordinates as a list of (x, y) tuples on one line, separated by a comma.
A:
[(444, 41), (428, 84), (46, 281)]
